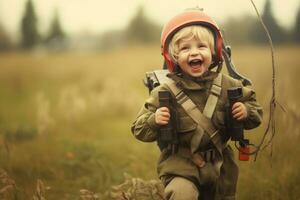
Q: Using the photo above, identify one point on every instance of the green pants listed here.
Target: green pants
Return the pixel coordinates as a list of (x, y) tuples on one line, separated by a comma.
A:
[(180, 188)]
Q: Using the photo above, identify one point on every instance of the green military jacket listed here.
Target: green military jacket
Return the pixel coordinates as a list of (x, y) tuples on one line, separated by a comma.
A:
[(145, 129)]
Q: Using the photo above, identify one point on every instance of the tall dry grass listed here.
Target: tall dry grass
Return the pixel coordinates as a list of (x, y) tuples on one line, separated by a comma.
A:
[(65, 119)]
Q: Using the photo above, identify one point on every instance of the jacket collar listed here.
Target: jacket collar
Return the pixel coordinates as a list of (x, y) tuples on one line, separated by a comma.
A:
[(191, 83)]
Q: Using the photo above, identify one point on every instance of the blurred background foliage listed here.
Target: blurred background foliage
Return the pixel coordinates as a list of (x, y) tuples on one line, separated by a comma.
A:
[(67, 104), (240, 31)]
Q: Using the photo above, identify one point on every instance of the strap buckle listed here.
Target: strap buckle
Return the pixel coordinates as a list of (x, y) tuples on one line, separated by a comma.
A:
[(181, 97), (215, 90)]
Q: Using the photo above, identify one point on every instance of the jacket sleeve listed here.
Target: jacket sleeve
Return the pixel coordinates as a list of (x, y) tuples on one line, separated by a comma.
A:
[(144, 127), (254, 110)]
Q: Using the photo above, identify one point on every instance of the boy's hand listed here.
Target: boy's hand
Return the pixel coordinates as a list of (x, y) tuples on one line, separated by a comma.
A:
[(162, 116), (239, 111)]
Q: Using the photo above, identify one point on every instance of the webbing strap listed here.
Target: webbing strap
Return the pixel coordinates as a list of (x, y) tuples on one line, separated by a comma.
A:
[(192, 110), (212, 100)]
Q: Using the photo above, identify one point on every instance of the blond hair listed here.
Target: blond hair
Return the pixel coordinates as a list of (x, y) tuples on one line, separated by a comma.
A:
[(198, 32)]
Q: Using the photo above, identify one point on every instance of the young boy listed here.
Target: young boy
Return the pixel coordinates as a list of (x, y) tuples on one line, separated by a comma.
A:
[(202, 165)]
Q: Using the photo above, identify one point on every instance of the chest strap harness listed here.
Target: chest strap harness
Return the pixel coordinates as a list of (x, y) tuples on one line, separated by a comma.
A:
[(203, 120)]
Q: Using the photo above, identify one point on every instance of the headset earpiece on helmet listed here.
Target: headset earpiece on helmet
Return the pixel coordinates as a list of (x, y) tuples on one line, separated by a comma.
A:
[(187, 18)]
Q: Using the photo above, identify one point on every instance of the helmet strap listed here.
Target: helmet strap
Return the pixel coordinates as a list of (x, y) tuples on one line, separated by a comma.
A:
[(219, 68)]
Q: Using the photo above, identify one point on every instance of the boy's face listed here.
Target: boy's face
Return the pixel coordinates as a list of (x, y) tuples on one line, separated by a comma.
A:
[(194, 56)]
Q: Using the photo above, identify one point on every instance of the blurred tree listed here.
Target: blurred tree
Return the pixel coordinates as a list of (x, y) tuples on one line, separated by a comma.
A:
[(238, 30), (56, 32), (111, 39), (278, 34), (296, 32), (5, 41), (141, 29), (29, 30)]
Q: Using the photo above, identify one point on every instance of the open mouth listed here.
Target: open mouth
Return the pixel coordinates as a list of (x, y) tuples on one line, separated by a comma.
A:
[(195, 63)]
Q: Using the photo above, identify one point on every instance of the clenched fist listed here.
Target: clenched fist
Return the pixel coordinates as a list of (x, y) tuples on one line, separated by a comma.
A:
[(239, 111), (162, 116)]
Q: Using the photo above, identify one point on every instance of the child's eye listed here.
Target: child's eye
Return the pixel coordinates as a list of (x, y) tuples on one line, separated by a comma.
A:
[(202, 45), (184, 48)]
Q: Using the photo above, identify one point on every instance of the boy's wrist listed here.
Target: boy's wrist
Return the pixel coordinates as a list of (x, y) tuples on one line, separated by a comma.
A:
[(151, 122)]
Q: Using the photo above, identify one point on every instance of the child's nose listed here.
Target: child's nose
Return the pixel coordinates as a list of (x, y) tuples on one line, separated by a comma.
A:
[(194, 51)]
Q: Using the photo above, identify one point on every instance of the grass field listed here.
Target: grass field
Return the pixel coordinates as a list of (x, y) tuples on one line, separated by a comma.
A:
[(65, 120)]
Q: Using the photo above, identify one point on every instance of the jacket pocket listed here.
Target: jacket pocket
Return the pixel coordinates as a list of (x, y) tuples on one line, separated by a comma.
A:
[(186, 124), (185, 128)]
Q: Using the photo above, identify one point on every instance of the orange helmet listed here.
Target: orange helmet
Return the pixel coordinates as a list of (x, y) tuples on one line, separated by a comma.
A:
[(187, 18)]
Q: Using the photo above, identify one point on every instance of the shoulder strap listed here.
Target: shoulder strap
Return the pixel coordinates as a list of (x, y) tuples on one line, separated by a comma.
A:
[(212, 100), (192, 110)]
